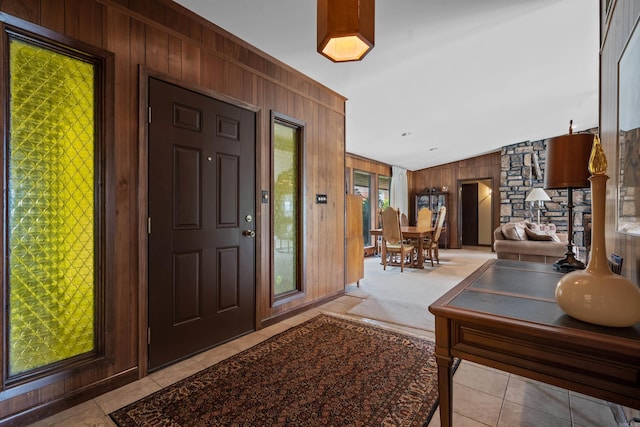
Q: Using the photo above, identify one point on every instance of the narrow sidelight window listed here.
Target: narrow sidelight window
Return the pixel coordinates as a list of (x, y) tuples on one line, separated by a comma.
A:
[(362, 187), (286, 202), (51, 206)]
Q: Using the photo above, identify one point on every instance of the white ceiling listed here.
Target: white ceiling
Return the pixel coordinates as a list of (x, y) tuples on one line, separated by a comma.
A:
[(460, 77)]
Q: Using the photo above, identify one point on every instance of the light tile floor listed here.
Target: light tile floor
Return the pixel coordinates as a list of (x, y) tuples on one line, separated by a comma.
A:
[(482, 396)]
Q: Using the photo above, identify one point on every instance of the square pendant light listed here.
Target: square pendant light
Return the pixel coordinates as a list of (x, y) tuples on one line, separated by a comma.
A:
[(345, 29)]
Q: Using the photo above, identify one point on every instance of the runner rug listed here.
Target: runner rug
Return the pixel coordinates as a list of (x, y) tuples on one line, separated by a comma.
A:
[(325, 371)]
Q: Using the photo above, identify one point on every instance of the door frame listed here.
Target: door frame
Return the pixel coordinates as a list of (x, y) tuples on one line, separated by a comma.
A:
[(470, 185), (144, 74), (459, 204)]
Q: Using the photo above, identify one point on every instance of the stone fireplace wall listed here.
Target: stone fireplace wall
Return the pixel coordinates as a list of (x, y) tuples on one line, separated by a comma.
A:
[(522, 169)]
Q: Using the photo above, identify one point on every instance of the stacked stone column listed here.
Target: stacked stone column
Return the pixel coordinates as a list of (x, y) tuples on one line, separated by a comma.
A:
[(522, 169)]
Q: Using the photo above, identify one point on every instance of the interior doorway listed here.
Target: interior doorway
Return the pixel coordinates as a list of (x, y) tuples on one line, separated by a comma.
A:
[(475, 216)]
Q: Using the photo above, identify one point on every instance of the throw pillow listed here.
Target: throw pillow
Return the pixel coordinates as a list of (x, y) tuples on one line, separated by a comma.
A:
[(550, 228), (514, 231), (545, 228), (535, 235)]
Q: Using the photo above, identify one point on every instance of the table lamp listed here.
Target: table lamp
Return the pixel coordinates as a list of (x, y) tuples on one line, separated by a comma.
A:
[(538, 195), (567, 166)]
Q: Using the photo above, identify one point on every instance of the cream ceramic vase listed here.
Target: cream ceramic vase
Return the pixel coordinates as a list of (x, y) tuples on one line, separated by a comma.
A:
[(596, 295)]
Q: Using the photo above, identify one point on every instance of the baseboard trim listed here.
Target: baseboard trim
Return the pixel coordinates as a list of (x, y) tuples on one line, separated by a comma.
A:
[(74, 398), (282, 316)]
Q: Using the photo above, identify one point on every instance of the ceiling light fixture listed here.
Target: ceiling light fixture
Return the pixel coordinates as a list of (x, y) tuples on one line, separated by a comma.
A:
[(345, 29)]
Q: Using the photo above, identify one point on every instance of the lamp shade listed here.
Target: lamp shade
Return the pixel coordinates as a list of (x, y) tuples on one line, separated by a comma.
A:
[(537, 194), (567, 164), (345, 29)]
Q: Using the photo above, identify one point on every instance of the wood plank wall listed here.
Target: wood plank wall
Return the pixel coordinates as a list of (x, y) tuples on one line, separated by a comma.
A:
[(617, 28), (366, 165), (169, 40), (481, 167), (449, 175)]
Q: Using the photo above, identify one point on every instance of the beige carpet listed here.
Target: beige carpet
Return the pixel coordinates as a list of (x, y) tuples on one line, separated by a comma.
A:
[(403, 298)]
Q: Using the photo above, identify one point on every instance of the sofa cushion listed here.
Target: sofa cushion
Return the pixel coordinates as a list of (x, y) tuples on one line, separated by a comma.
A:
[(541, 236), (546, 228), (529, 247), (514, 231)]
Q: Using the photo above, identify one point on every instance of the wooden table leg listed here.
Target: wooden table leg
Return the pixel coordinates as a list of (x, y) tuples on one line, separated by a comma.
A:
[(445, 363), (420, 259), (445, 391)]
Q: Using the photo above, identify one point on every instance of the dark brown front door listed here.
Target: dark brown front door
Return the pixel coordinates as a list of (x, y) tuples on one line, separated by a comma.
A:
[(201, 222)]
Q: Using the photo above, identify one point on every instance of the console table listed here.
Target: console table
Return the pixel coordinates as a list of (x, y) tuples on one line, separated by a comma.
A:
[(504, 315)]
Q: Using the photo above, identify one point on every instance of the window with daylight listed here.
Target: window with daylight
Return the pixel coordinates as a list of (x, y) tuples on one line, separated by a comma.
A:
[(384, 195), (362, 187), (286, 200), (52, 233)]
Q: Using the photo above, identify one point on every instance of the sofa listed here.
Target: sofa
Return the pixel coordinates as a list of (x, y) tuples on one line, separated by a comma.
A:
[(526, 241)]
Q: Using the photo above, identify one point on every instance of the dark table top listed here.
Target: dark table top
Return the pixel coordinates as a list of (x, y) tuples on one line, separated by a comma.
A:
[(523, 291)]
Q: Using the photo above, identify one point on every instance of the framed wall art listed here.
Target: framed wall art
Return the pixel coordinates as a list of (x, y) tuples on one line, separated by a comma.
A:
[(628, 209)]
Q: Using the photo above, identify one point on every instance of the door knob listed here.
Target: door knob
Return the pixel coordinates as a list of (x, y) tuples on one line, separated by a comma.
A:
[(249, 233)]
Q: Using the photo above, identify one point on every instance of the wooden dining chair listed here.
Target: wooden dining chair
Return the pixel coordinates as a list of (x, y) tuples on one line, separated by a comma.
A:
[(404, 220), (431, 245), (392, 241), (425, 216)]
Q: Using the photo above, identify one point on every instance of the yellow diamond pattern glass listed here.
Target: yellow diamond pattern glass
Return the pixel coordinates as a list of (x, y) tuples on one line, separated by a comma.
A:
[(51, 207)]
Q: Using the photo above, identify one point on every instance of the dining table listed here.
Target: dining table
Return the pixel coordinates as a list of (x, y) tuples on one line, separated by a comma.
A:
[(414, 233)]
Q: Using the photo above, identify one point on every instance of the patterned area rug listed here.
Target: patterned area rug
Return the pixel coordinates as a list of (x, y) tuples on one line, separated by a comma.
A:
[(326, 371)]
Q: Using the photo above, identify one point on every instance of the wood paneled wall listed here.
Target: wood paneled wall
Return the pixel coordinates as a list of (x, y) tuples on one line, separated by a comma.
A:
[(367, 165), (481, 167), (617, 29), (168, 40)]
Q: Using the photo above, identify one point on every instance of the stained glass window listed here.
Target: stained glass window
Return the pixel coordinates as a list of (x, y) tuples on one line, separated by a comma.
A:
[(51, 208)]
